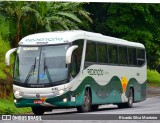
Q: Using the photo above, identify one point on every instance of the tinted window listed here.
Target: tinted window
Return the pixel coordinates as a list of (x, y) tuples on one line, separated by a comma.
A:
[(140, 56), (141, 53), (123, 59), (112, 49), (76, 58), (91, 52), (132, 56), (102, 53)]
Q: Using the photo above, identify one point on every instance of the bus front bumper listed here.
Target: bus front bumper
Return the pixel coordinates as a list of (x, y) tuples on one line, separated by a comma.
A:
[(58, 101)]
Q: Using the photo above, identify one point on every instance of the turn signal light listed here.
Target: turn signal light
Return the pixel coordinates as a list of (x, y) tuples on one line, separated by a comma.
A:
[(43, 99)]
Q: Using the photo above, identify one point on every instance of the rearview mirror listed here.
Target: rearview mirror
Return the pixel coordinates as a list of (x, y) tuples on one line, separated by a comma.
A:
[(7, 56), (69, 53)]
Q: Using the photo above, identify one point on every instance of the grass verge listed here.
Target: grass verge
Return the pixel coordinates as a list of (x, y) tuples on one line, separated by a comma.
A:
[(153, 78), (7, 107)]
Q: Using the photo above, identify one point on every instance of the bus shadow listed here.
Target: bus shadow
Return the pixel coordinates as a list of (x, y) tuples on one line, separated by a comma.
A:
[(61, 113), (75, 112), (98, 110)]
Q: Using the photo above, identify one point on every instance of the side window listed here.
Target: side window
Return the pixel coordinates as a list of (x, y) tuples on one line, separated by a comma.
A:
[(112, 50), (102, 53), (91, 52), (76, 58), (123, 59), (140, 57), (132, 56)]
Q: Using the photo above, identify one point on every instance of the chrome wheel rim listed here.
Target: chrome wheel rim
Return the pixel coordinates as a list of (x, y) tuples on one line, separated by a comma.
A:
[(86, 101)]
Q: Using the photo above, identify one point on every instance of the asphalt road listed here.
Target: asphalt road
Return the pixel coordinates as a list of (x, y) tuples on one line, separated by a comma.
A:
[(150, 108)]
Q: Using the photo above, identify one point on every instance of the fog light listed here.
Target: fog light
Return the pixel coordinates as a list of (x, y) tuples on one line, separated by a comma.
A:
[(15, 100), (65, 100)]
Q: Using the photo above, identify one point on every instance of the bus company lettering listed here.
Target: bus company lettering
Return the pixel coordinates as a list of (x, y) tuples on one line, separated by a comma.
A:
[(44, 39), (98, 72)]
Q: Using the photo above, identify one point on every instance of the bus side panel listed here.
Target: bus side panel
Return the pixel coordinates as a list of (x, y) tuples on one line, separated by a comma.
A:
[(112, 86), (138, 89), (113, 92), (108, 93)]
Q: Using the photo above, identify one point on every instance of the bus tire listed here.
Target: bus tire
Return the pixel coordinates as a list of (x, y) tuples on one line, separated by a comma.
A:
[(38, 110), (94, 107), (86, 107), (129, 103)]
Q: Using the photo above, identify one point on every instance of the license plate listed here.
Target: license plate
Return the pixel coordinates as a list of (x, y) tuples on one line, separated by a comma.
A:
[(38, 101)]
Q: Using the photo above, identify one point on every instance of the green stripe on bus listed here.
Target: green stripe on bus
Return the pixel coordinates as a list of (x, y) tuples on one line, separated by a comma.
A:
[(101, 94)]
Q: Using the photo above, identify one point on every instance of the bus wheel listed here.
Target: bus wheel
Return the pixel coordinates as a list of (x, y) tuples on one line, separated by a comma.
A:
[(38, 110), (128, 104), (86, 107), (94, 107)]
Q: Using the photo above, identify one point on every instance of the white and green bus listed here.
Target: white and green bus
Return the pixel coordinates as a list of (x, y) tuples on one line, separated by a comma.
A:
[(80, 69)]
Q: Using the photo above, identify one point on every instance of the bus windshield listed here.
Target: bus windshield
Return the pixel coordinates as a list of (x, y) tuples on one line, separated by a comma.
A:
[(41, 65)]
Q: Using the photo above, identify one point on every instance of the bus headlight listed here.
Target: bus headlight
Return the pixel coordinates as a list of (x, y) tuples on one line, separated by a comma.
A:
[(17, 94), (61, 91)]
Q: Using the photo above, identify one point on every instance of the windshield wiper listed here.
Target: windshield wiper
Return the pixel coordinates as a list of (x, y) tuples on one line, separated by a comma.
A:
[(32, 69), (47, 71)]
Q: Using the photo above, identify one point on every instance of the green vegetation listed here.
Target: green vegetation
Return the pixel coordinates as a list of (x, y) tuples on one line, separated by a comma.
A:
[(21, 18), (153, 78), (32, 17), (134, 22), (5, 46), (8, 107)]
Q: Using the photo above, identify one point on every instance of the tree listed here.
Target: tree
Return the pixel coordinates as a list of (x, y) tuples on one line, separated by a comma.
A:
[(47, 16), (139, 23), (14, 10), (59, 16), (133, 22)]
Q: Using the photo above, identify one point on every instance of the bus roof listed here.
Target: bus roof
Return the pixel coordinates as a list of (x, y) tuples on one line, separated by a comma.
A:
[(62, 37)]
